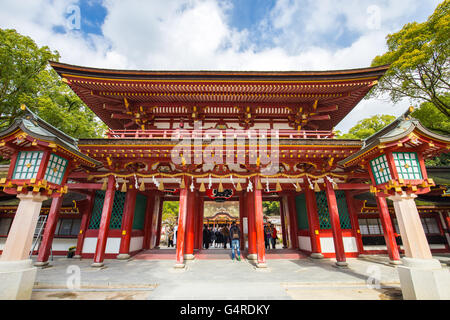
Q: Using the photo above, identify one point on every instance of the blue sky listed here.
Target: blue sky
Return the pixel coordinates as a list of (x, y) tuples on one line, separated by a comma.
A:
[(220, 34)]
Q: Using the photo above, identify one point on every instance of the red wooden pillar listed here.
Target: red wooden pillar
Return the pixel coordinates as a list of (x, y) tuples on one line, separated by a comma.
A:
[(353, 212), (181, 226), (85, 218), (104, 223), (190, 225), (148, 221), (259, 226), (251, 226), (388, 230), (158, 224), (293, 220), (127, 224), (49, 232), (335, 225), (283, 230), (313, 222)]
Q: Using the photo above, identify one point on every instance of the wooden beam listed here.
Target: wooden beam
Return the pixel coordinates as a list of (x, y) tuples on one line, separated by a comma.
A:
[(327, 109), (84, 186)]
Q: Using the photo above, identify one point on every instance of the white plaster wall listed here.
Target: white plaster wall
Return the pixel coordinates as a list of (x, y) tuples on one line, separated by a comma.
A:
[(327, 244), (61, 244), (383, 247), (136, 243), (112, 245), (304, 243), (58, 244)]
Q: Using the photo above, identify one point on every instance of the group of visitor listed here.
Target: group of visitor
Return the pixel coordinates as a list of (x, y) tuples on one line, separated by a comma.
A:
[(270, 235), (216, 237), (220, 236)]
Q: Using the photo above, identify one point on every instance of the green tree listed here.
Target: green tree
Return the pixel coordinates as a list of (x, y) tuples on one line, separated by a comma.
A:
[(170, 212), (418, 56), (271, 208), (434, 120), (366, 127), (26, 78)]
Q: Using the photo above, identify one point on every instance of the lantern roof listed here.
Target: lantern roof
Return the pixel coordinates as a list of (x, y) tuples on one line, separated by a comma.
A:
[(25, 130), (404, 131)]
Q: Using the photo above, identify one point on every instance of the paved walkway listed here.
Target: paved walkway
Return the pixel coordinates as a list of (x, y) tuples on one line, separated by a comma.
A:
[(370, 278)]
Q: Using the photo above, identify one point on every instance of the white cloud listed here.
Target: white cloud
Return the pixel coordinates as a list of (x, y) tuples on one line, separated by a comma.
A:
[(197, 35)]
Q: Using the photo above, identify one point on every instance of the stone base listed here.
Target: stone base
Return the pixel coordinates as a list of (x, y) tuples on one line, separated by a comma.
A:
[(395, 262), (41, 264), (123, 256), (16, 279), (252, 256), (179, 266), (97, 265), (77, 257), (424, 279), (261, 265), (189, 257), (341, 264), (316, 255)]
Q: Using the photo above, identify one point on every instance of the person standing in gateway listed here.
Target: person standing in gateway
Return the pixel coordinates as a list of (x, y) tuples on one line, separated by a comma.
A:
[(235, 235)]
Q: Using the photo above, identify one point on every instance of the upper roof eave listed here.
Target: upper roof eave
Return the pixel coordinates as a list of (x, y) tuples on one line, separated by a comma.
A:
[(63, 68)]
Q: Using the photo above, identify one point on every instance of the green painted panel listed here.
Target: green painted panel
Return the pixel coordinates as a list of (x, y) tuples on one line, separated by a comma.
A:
[(27, 165), (56, 168), (302, 214), (322, 210), (344, 216), (117, 211), (407, 165), (323, 213), (139, 212)]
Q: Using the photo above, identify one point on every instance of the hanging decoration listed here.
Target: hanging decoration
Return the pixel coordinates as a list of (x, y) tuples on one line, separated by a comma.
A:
[(278, 187), (136, 185), (202, 187), (142, 186), (316, 186), (335, 185), (250, 186), (124, 186), (104, 185), (161, 186), (192, 185), (210, 182)]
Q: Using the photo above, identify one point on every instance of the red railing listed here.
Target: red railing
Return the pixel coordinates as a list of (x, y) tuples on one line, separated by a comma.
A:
[(213, 133)]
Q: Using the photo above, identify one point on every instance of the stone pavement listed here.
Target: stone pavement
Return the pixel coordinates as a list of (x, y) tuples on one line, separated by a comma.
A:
[(220, 280)]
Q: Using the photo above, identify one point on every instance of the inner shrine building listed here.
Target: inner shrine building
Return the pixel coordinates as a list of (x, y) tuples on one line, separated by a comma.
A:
[(249, 137)]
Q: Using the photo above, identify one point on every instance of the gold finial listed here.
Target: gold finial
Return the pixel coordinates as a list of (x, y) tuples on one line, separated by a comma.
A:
[(411, 109)]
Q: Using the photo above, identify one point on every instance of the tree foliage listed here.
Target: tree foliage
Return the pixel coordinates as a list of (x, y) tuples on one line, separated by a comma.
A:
[(170, 212), (26, 78), (434, 120), (366, 127), (271, 208), (418, 56)]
